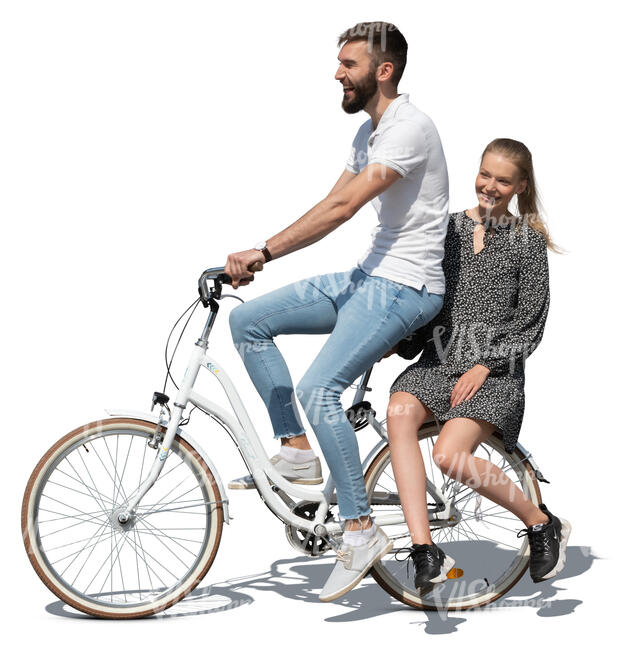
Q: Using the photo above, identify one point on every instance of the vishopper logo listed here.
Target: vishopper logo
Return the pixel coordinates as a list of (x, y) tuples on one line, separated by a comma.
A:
[(519, 224), (371, 30), (463, 468), (379, 292), (322, 405), (471, 342), (252, 347), (395, 153), (451, 591)]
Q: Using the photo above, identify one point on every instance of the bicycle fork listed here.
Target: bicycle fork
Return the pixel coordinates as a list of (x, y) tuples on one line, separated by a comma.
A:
[(175, 418)]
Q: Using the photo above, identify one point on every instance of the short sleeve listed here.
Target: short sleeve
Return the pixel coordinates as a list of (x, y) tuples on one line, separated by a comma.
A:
[(401, 146), (351, 164), (358, 151)]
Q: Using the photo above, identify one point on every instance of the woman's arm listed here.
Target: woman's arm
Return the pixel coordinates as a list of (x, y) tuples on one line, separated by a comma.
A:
[(516, 339)]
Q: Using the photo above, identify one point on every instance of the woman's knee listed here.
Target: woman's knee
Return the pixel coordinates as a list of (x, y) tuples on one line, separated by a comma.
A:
[(450, 459), (404, 408)]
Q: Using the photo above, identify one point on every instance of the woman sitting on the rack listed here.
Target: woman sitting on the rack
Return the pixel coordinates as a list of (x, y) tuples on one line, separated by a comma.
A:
[(470, 375)]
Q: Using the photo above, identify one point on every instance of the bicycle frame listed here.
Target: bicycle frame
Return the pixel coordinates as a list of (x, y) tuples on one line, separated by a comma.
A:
[(279, 496)]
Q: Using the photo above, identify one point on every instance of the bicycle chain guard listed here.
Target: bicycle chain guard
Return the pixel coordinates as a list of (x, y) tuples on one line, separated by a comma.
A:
[(305, 541)]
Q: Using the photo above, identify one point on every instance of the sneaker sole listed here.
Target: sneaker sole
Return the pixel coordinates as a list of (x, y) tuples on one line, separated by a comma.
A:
[(566, 529), (359, 578), (448, 565), (299, 481)]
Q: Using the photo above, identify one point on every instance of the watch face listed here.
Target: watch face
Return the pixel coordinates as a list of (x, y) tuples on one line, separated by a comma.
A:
[(260, 245)]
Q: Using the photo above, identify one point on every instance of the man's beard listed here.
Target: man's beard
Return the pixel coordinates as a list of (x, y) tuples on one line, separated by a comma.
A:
[(363, 92)]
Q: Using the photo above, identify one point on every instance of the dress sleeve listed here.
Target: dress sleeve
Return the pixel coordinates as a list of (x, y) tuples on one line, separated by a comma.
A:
[(513, 341)]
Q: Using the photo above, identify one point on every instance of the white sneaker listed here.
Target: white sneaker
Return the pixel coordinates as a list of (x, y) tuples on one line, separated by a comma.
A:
[(305, 473), (352, 563)]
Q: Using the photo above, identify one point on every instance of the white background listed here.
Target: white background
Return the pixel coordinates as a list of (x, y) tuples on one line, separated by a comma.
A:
[(141, 142)]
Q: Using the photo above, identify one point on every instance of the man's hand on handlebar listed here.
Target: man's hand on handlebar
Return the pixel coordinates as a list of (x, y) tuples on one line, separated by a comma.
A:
[(238, 265)]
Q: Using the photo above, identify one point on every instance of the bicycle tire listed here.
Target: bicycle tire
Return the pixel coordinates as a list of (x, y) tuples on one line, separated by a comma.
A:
[(35, 491), (405, 592)]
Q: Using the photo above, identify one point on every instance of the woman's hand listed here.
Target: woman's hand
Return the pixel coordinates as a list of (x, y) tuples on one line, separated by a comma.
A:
[(470, 382)]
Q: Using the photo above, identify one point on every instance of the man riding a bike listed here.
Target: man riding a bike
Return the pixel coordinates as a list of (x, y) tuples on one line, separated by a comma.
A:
[(397, 163)]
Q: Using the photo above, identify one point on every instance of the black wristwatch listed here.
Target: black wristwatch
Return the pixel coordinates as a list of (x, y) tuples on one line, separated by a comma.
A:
[(262, 247)]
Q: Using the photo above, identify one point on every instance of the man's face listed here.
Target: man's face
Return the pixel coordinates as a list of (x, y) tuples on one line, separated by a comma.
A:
[(357, 75)]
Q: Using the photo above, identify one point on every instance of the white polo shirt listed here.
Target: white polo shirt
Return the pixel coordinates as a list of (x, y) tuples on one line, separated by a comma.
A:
[(408, 243)]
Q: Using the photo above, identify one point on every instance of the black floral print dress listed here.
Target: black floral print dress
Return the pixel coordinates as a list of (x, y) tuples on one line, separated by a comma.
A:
[(494, 311)]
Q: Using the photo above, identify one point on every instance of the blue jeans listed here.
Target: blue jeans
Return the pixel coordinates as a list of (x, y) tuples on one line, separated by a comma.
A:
[(366, 316)]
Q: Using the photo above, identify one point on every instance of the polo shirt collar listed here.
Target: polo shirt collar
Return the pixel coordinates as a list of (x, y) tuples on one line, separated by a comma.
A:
[(390, 110)]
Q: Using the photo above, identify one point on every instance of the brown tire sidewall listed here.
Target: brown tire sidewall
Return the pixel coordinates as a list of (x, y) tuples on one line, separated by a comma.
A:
[(40, 470), (423, 433)]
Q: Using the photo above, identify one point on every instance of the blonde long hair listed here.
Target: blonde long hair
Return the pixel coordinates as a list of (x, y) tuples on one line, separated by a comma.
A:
[(529, 205)]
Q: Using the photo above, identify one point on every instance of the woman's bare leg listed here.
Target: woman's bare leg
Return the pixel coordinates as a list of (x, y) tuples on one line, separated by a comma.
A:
[(405, 415), (453, 454)]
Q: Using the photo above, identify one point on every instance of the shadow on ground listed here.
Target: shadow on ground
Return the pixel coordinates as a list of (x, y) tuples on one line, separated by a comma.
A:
[(301, 579)]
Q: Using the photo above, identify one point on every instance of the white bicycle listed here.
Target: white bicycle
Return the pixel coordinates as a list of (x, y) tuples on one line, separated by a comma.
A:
[(123, 517)]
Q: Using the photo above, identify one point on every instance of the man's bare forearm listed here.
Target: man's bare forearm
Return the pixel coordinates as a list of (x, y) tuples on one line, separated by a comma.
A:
[(322, 219)]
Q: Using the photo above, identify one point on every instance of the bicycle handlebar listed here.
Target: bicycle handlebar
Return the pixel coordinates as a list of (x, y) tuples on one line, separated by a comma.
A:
[(217, 274)]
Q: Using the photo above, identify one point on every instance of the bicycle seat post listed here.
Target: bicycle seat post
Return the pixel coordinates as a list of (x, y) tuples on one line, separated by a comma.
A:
[(362, 387)]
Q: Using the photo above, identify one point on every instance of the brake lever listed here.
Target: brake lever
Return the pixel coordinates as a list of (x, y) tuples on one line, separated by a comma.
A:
[(219, 279)]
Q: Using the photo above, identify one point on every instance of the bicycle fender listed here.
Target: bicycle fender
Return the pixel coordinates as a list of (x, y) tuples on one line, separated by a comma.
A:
[(536, 470), (369, 459), (151, 417)]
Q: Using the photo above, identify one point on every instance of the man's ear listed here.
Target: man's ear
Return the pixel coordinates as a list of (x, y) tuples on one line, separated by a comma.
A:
[(385, 71)]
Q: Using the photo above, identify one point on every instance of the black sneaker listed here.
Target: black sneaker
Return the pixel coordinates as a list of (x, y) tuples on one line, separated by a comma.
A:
[(431, 565), (547, 545)]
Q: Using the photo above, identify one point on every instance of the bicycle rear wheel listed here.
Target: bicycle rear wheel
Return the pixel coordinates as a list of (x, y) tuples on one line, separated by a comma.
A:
[(481, 537), (80, 550)]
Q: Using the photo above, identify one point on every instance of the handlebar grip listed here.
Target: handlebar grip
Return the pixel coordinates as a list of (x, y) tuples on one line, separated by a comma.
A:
[(224, 278), (254, 268)]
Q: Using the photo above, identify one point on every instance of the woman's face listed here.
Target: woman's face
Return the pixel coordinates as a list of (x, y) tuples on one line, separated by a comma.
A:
[(497, 181)]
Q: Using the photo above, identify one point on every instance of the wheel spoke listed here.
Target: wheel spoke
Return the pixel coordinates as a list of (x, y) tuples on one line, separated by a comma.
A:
[(479, 522), (95, 559), (96, 495), (47, 496), (160, 539), (79, 455), (76, 554), (117, 486)]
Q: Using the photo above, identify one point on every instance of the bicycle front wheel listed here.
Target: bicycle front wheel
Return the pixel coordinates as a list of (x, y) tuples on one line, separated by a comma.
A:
[(480, 535), (99, 565)]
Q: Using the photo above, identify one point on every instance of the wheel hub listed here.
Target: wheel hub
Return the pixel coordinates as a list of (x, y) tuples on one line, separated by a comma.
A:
[(115, 520)]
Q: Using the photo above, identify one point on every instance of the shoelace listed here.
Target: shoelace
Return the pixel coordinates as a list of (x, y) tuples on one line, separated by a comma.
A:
[(342, 555), (538, 541), (420, 557)]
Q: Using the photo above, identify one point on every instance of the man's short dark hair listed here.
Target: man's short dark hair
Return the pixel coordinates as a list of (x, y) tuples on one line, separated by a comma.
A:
[(385, 43)]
